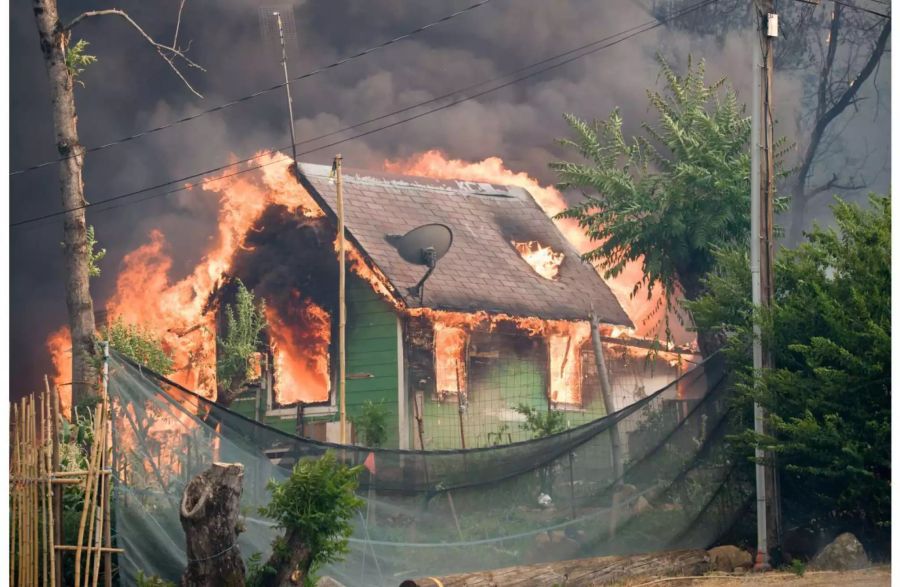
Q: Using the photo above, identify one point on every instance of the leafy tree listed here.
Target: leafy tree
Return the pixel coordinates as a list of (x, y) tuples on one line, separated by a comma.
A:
[(670, 196), (314, 507), (138, 344), (244, 322), (828, 398)]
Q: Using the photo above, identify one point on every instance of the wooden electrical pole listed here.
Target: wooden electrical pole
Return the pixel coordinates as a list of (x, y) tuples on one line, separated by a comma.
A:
[(762, 254), (342, 301)]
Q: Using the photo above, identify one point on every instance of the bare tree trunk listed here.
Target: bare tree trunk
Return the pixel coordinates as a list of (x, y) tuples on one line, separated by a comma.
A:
[(292, 564), (54, 40), (209, 515)]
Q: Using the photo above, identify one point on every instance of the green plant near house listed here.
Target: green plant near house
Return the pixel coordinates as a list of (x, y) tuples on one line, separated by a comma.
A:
[(314, 507), (138, 344), (540, 424), (371, 424), (244, 321)]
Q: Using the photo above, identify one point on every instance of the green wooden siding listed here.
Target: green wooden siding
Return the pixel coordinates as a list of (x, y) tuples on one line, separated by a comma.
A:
[(371, 350)]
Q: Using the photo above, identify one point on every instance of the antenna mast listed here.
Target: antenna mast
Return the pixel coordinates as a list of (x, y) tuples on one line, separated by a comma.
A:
[(287, 85)]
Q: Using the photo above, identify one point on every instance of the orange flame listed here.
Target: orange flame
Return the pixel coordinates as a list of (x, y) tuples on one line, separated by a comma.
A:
[(59, 343), (301, 344), (564, 343), (544, 260)]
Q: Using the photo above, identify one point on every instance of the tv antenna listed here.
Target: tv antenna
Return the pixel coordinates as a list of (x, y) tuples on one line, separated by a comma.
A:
[(424, 245), (281, 19)]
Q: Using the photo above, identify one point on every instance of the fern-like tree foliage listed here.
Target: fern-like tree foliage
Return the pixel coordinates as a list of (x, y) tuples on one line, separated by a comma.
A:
[(670, 196), (829, 396), (244, 321)]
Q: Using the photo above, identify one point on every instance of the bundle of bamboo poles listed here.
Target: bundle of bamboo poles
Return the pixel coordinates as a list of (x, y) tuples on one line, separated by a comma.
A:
[(36, 486)]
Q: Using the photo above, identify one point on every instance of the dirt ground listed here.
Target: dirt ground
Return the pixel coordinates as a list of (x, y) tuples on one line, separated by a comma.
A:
[(874, 577)]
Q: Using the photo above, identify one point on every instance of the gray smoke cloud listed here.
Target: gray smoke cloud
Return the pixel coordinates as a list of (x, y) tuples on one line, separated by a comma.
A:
[(130, 89)]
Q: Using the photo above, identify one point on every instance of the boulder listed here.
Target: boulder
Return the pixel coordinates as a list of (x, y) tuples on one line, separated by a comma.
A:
[(728, 558), (845, 553)]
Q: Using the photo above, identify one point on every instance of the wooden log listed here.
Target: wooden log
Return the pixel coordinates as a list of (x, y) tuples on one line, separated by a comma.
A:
[(210, 507), (606, 570)]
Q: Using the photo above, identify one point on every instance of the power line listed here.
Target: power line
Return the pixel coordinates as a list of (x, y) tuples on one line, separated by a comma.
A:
[(258, 93), (863, 9), (593, 47), (848, 5)]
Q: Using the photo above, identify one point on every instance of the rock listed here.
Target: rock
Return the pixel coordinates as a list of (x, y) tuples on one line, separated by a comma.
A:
[(641, 505), (328, 582), (728, 558), (845, 553)]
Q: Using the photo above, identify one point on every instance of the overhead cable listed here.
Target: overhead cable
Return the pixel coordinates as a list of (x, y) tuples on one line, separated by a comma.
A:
[(579, 52)]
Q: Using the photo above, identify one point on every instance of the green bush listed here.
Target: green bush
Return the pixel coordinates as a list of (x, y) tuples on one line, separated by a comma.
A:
[(540, 424), (371, 424), (138, 344), (828, 399), (314, 506)]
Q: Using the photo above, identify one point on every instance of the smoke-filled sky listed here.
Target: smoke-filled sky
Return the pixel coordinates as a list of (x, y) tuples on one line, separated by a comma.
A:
[(130, 89)]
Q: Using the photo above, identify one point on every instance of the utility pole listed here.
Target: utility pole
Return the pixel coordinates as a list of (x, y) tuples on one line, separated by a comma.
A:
[(342, 301), (762, 190), (287, 85)]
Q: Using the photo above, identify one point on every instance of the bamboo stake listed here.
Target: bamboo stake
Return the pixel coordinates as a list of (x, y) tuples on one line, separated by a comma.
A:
[(23, 554), (86, 507), (57, 495), (100, 441), (35, 492), (48, 463), (15, 529), (20, 438), (45, 488), (107, 528), (29, 551), (104, 481)]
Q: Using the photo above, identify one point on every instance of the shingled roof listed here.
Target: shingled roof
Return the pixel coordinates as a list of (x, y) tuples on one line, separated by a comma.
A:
[(482, 270)]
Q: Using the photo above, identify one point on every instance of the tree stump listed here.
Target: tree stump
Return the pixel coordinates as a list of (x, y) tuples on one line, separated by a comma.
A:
[(209, 515)]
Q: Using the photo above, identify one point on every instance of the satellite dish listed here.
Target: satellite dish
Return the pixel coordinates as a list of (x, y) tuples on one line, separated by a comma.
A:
[(424, 245)]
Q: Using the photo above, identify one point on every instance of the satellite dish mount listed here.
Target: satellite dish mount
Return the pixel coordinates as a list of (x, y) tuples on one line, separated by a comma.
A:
[(425, 245)]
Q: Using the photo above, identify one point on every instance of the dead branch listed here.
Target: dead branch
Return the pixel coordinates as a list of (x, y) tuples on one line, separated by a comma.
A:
[(833, 184), (168, 53)]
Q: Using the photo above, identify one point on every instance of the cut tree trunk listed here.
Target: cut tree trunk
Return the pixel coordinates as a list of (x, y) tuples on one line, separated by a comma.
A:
[(54, 41), (209, 515), (607, 570), (292, 564)]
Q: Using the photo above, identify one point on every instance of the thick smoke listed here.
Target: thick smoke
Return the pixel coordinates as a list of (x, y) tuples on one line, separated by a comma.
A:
[(285, 256), (130, 89)]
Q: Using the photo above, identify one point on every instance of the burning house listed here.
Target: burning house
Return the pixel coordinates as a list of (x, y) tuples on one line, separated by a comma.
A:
[(448, 351)]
